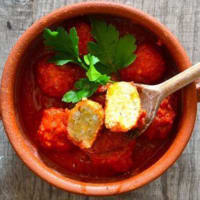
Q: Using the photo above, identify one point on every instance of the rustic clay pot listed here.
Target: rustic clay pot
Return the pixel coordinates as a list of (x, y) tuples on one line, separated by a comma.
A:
[(28, 153)]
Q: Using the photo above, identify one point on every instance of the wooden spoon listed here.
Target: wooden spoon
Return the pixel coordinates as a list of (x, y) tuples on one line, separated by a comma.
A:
[(152, 95)]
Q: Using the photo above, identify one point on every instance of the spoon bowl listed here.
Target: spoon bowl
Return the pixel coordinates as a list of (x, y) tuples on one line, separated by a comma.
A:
[(150, 99)]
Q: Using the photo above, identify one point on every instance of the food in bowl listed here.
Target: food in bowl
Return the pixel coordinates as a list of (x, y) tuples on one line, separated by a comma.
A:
[(79, 103), (84, 123)]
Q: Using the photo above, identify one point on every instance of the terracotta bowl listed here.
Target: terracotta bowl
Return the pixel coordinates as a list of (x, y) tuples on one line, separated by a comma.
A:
[(28, 153)]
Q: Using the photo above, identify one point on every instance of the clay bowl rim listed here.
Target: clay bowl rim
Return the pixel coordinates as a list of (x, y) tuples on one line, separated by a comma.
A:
[(13, 129)]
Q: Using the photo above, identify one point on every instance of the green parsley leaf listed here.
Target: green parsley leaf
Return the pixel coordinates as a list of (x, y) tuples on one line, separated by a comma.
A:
[(84, 87), (124, 51), (92, 73), (63, 43), (103, 79), (75, 96), (84, 83), (90, 59), (70, 96), (103, 69), (112, 51), (61, 59)]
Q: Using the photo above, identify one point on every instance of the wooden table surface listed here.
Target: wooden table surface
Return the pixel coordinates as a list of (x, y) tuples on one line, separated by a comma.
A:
[(180, 182)]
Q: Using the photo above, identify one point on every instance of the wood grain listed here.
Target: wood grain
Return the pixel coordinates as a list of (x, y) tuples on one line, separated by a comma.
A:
[(180, 182)]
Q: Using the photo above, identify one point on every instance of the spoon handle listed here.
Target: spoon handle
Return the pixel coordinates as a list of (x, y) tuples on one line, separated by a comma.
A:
[(180, 80)]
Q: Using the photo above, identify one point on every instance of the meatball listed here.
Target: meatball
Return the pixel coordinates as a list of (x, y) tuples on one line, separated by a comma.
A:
[(84, 33), (148, 67), (52, 132), (123, 107), (163, 122), (54, 80), (113, 151), (84, 122)]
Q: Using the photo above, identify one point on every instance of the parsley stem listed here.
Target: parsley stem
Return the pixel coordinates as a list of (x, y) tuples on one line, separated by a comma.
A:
[(81, 63), (84, 66)]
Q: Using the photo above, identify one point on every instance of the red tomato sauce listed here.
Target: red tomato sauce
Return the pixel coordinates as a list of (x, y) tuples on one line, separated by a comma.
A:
[(113, 155)]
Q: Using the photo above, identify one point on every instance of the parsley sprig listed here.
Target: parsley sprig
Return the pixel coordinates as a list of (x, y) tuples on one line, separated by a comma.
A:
[(65, 46), (112, 51), (107, 54), (84, 88)]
